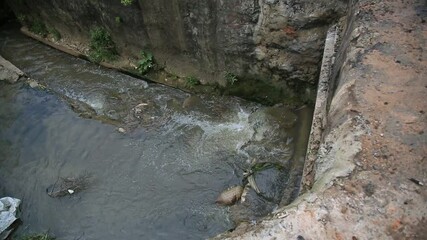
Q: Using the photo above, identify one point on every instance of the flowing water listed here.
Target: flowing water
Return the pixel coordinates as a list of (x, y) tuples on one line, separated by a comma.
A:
[(157, 180)]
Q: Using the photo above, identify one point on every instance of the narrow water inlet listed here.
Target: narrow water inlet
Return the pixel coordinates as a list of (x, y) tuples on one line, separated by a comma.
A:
[(223, 134)]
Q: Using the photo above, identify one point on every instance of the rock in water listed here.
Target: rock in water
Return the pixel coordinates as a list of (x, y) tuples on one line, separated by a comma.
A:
[(230, 196)]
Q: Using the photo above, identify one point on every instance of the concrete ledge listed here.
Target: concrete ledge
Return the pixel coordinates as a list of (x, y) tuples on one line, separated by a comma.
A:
[(67, 50), (8, 71), (320, 109)]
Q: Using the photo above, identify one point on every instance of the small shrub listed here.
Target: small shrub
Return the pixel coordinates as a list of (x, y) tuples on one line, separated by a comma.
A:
[(146, 63), (118, 20), (55, 34), (126, 2), (230, 78), (191, 81), (39, 28), (102, 46)]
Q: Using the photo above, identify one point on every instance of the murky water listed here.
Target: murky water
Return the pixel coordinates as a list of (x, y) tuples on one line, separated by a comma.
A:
[(159, 180)]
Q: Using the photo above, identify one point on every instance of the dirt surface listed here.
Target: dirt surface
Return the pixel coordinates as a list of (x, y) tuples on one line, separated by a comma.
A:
[(378, 111)]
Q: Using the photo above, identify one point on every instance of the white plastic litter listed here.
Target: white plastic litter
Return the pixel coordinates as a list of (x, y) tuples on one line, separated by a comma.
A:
[(8, 210)]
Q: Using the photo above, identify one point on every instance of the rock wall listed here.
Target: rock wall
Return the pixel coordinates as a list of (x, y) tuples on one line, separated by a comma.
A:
[(279, 42)]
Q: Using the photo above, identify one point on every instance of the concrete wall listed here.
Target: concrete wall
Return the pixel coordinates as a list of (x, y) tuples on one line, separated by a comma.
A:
[(276, 41)]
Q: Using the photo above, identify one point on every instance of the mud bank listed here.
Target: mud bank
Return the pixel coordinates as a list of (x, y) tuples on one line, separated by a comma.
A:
[(365, 177)]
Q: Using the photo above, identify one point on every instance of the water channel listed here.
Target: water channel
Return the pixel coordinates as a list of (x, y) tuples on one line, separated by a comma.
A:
[(157, 180)]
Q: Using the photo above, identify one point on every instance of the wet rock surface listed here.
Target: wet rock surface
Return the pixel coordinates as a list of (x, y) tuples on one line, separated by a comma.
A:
[(264, 185), (271, 182)]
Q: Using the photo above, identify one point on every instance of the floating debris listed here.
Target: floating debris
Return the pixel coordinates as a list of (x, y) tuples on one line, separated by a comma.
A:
[(141, 105), (252, 183), (419, 183), (69, 185)]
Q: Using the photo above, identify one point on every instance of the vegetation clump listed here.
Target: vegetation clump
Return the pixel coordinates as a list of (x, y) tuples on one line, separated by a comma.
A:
[(54, 33), (146, 63), (118, 19), (191, 81), (102, 47), (126, 2), (265, 165), (43, 236), (39, 28), (69, 185), (231, 78)]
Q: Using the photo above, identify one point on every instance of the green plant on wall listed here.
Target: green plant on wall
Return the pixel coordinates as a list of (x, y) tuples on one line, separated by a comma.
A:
[(231, 78), (44, 236), (191, 81), (102, 47), (126, 2), (146, 63), (39, 28), (118, 20)]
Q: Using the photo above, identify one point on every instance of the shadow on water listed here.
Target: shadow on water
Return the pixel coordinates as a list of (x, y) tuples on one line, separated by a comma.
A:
[(159, 179)]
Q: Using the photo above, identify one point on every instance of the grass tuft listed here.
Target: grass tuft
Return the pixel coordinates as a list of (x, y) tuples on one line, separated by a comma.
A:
[(102, 47), (146, 63), (191, 81)]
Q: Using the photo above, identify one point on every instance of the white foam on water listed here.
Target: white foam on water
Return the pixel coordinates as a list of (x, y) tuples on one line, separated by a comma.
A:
[(229, 134), (94, 100)]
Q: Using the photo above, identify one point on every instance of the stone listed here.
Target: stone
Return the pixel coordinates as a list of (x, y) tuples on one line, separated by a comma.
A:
[(271, 183), (230, 196), (8, 72), (33, 83), (8, 210)]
